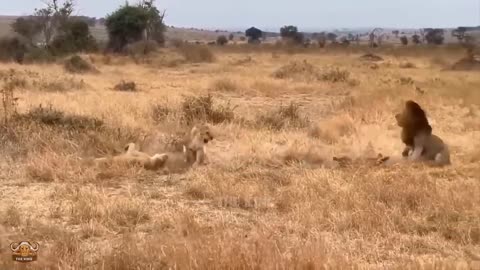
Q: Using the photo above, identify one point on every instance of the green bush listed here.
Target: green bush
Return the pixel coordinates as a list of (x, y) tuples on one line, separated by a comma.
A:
[(74, 37), (129, 23)]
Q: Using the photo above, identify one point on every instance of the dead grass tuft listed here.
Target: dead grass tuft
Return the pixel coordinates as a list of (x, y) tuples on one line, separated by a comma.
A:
[(12, 217), (126, 86), (196, 53), (77, 64), (284, 117), (58, 84), (407, 65), (298, 71), (335, 75), (224, 85), (44, 174), (371, 57), (161, 112), (53, 117), (332, 129), (203, 109)]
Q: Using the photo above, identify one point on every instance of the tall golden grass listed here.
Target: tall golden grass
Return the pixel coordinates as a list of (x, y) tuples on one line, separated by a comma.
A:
[(269, 197)]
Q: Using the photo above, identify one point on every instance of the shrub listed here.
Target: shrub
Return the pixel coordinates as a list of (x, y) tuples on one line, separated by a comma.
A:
[(141, 48), (39, 55), (26, 27), (53, 117), (125, 25), (224, 84), (74, 37), (76, 64), (202, 109), (9, 101), (416, 39), (281, 118), (291, 33), (196, 53), (222, 40), (335, 75), (407, 65), (129, 23), (160, 112), (12, 49), (176, 42), (297, 70), (434, 36), (404, 40)]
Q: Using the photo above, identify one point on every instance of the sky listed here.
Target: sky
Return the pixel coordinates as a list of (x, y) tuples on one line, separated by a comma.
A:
[(306, 14)]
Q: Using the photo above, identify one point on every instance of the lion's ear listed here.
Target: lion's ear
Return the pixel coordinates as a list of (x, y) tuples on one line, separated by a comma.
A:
[(194, 130), (129, 147)]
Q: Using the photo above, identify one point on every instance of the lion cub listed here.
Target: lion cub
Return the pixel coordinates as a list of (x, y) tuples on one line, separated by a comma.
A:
[(193, 154), (132, 156)]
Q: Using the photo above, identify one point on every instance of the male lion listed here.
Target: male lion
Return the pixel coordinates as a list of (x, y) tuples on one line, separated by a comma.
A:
[(132, 156), (421, 144)]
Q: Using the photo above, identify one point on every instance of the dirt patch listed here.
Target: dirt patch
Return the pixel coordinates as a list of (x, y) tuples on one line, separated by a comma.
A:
[(371, 57)]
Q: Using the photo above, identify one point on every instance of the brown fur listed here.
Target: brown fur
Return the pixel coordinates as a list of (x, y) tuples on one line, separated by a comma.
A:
[(413, 121), (420, 143)]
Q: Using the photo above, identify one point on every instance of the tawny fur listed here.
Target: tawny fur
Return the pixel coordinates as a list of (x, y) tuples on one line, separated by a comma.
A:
[(132, 156), (193, 152)]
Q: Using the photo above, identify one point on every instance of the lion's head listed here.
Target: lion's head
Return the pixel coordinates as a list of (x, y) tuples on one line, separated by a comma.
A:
[(200, 135), (413, 120)]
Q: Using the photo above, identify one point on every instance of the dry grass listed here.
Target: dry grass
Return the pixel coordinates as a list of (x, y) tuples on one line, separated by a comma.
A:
[(269, 197), (126, 86), (77, 64), (224, 85), (196, 53)]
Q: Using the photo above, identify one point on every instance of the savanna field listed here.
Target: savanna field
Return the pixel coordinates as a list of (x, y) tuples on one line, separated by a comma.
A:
[(270, 197)]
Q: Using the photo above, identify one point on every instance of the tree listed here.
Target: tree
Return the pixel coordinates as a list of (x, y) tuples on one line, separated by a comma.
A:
[(26, 27), (396, 33), (52, 17), (231, 37), (74, 36), (290, 32), (126, 25), (321, 38), (404, 40), (434, 36), (253, 34), (459, 33), (332, 37), (222, 40), (155, 29), (416, 39)]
